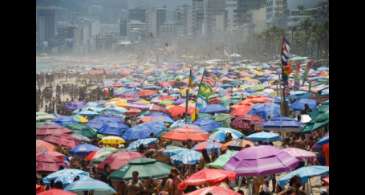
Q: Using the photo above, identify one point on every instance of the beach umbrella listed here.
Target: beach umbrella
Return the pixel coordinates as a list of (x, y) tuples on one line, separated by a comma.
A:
[(71, 106), (146, 167), (215, 190), (246, 123), (64, 120), (82, 130), (300, 153), (282, 124), (264, 137), (64, 141), (237, 144), (222, 159), (186, 157), (304, 173), (114, 140), (56, 192), (58, 131), (100, 155), (43, 146), (299, 104), (206, 175), (80, 119), (144, 130), (99, 121), (80, 138), (208, 125), (222, 118), (214, 108), (172, 150), (89, 184), (83, 149), (156, 118), (207, 145), (49, 125), (265, 110), (65, 176), (119, 159), (49, 161), (113, 128), (136, 144), (184, 134), (221, 133), (147, 93), (178, 111), (261, 161)]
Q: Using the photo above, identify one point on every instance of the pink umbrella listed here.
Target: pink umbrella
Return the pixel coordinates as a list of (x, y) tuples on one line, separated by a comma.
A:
[(119, 159), (211, 176), (300, 153), (261, 160), (214, 190)]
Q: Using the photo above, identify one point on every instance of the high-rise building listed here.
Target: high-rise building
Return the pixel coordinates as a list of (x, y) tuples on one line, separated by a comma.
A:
[(137, 14), (46, 24), (244, 9), (276, 13), (214, 10), (123, 24), (183, 18), (197, 17), (161, 15), (231, 7)]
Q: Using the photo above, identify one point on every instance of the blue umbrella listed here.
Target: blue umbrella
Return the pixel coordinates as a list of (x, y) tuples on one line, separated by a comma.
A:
[(208, 125), (304, 174), (299, 104), (89, 184), (65, 176), (101, 120), (144, 130), (157, 116), (135, 145), (74, 105), (64, 120), (112, 128), (173, 150), (187, 157), (221, 134), (83, 149), (265, 110), (282, 124), (264, 137), (214, 108)]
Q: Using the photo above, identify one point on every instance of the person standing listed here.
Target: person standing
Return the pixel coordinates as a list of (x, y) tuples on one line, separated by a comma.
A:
[(135, 186)]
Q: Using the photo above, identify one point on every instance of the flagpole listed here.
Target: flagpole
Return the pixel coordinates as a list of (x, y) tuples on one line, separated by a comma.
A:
[(196, 98), (187, 95), (283, 105)]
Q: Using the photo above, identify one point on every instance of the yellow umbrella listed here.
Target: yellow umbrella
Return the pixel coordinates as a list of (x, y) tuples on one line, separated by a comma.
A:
[(112, 140), (142, 101)]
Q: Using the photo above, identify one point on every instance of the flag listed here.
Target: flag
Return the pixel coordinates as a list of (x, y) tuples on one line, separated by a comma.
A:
[(285, 49), (190, 85), (205, 90)]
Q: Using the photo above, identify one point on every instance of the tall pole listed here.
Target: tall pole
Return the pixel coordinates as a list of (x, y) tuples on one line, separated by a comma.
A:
[(283, 105)]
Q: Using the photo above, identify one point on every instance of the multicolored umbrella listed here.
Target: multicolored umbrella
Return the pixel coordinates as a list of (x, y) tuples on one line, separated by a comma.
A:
[(146, 167), (213, 190), (136, 144), (264, 137), (304, 173), (89, 184), (186, 157), (204, 176), (119, 159), (261, 161), (65, 176), (184, 134), (222, 159)]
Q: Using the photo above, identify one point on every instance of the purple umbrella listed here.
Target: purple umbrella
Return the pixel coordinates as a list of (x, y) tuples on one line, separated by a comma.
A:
[(71, 106), (260, 161)]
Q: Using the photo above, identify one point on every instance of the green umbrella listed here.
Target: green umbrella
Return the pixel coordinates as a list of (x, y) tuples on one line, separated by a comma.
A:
[(102, 154), (82, 130), (42, 116), (89, 184), (223, 118), (222, 159), (146, 167)]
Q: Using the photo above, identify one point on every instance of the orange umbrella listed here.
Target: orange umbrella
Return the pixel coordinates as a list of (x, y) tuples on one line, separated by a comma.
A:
[(146, 92), (56, 192), (256, 100), (241, 109), (43, 146), (178, 111), (211, 176), (184, 134)]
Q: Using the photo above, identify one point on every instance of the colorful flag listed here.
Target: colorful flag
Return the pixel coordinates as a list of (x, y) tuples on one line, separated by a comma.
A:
[(285, 49), (205, 91)]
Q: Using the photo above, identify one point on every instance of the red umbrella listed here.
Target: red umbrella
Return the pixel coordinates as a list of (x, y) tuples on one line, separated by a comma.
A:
[(178, 111), (184, 134), (42, 146), (59, 131), (50, 126), (246, 123), (215, 190), (119, 159), (146, 92), (211, 176), (56, 192), (66, 141), (256, 99), (49, 161), (240, 109)]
